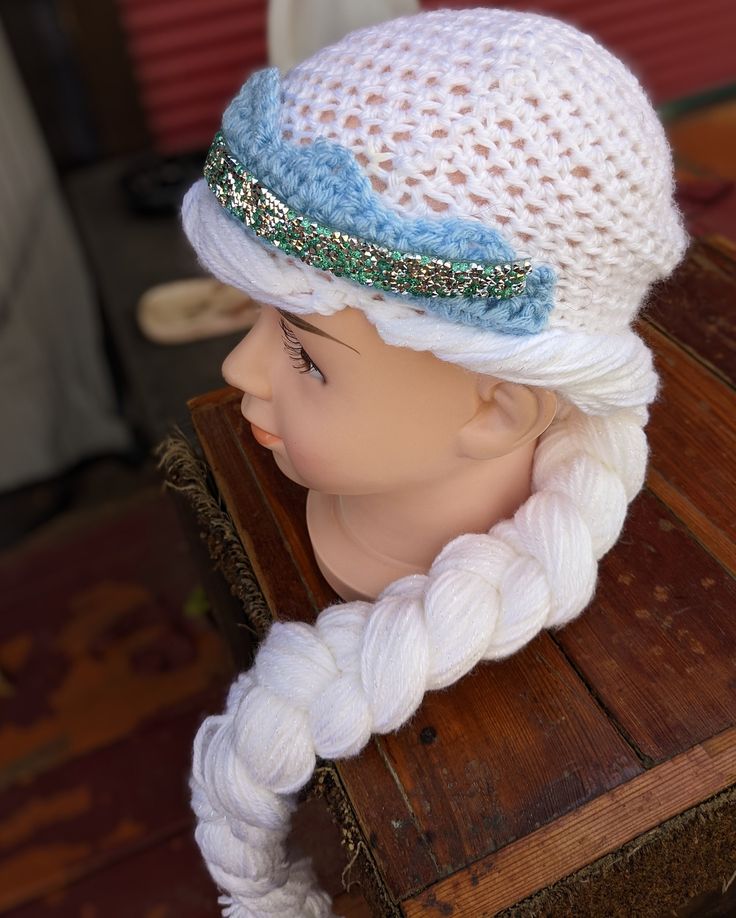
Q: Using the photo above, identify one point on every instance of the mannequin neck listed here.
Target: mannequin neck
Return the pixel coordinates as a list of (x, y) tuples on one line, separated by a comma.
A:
[(364, 542)]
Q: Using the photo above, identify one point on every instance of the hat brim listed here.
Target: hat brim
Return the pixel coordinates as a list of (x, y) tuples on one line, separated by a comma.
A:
[(599, 373)]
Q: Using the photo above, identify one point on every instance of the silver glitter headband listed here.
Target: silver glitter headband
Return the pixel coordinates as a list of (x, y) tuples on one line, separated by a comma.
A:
[(359, 260)]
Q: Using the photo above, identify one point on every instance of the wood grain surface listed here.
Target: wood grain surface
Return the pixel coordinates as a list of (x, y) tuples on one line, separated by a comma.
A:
[(596, 828), (658, 644), (511, 747), (692, 436), (695, 307)]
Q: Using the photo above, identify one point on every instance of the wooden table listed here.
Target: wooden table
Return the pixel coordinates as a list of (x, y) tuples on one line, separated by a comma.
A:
[(594, 772)]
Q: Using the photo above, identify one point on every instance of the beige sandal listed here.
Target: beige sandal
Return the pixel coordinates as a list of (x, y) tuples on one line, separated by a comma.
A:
[(189, 310)]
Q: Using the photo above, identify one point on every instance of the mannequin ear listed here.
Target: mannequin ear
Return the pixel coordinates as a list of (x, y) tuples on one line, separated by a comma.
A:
[(508, 416)]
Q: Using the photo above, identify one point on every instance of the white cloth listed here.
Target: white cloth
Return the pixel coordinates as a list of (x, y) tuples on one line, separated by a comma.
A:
[(298, 28), (56, 399)]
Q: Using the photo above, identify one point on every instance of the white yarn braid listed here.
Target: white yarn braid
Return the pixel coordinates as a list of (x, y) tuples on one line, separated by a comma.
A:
[(364, 668)]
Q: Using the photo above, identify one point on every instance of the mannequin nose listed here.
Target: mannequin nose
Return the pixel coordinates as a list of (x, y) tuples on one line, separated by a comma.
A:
[(246, 366)]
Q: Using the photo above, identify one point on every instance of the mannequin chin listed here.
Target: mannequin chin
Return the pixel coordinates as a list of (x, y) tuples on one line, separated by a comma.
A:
[(401, 451)]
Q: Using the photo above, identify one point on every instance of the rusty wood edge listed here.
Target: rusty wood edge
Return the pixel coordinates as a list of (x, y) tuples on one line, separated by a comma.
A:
[(188, 475), (258, 484), (688, 349), (327, 785), (715, 249), (213, 410), (688, 850), (574, 841), (709, 536)]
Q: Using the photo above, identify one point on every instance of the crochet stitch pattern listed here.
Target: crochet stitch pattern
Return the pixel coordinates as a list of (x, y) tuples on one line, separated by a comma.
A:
[(529, 128), (485, 116), (325, 181), (271, 219)]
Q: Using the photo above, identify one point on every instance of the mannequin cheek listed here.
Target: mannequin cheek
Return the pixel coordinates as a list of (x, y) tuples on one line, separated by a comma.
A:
[(322, 467), (337, 465), (316, 452)]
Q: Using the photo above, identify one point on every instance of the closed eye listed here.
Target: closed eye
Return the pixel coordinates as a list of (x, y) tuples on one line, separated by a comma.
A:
[(298, 355)]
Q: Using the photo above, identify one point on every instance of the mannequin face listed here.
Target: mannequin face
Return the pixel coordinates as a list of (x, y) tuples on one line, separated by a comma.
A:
[(345, 413)]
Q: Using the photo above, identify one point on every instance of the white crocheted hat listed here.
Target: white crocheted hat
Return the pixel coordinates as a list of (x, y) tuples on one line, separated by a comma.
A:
[(513, 122)]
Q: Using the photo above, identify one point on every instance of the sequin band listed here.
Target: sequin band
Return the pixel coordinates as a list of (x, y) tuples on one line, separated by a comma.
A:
[(359, 260)]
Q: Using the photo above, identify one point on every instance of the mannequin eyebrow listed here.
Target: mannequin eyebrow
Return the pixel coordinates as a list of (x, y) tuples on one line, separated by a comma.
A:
[(298, 322)]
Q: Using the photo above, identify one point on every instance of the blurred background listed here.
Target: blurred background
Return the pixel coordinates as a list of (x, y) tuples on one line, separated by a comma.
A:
[(108, 657)]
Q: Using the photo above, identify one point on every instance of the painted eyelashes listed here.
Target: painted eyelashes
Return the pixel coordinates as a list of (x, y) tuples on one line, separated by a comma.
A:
[(298, 355)]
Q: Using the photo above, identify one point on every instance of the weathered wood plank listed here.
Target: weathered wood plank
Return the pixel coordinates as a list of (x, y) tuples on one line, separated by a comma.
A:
[(511, 747), (233, 457), (583, 835), (658, 646), (704, 529), (696, 307), (692, 435), (401, 849), (287, 501)]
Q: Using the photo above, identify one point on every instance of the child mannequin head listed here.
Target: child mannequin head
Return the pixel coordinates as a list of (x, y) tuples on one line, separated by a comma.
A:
[(510, 148), (431, 146), (395, 444)]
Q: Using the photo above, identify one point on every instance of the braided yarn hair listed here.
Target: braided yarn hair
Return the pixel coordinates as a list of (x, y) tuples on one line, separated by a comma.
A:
[(521, 123)]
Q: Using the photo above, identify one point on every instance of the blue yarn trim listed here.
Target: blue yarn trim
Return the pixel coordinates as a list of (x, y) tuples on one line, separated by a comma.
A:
[(324, 181)]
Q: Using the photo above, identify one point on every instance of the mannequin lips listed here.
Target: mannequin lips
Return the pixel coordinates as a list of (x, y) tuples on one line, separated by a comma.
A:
[(264, 437)]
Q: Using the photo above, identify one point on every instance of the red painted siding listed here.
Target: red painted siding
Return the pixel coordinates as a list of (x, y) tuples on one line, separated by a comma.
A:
[(190, 56)]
